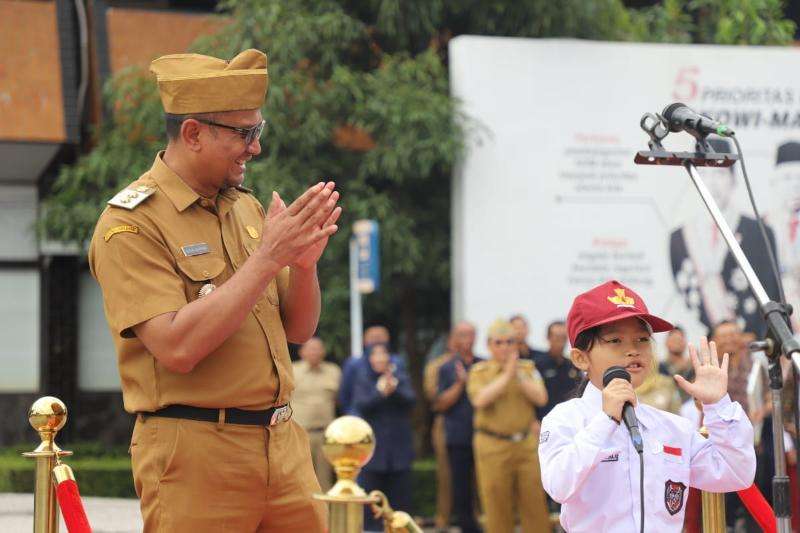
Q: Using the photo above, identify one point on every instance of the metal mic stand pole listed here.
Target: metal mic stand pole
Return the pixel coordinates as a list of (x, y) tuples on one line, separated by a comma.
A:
[(777, 317)]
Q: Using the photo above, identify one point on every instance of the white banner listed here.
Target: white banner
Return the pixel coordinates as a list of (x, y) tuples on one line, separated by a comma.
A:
[(548, 202)]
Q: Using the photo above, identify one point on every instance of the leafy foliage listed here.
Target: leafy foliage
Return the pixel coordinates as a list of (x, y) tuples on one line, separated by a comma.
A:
[(742, 22), (359, 93)]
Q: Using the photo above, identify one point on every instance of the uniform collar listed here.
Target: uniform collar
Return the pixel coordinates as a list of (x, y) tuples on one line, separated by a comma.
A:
[(227, 198), (180, 194), (593, 397)]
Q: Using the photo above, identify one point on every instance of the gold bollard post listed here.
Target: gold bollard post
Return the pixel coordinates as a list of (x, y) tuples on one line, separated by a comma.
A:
[(47, 416), (349, 444), (713, 506)]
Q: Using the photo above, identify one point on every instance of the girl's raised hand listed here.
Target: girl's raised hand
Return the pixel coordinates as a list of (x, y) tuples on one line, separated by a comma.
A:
[(711, 377)]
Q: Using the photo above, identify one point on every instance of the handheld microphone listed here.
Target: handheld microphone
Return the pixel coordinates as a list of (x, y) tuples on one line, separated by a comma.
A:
[(680, 117), (628, 414)]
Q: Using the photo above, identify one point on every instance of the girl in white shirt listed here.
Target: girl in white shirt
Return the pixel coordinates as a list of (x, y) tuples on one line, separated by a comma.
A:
[(587, 459)]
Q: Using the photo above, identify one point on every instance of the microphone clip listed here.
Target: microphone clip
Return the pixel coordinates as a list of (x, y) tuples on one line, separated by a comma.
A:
[(656, 127)]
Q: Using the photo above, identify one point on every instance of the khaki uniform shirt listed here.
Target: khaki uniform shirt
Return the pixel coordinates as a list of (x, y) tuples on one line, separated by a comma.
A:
[(511, 412), (140, 258), (314, 399), (430, 381)]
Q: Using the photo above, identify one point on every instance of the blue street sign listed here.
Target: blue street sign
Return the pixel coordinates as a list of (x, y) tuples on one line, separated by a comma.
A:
[(365, 233)]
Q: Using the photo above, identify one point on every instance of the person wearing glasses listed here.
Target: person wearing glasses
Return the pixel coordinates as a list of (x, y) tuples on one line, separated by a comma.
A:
[(504, 392), (202, 289)]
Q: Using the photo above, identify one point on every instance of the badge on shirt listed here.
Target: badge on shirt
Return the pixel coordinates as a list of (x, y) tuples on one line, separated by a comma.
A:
[(120, 229), (673, 496), (253, 232), (199, 248), (129, 198), (206, 289), (611, 458), (671, 450), (544, 436)]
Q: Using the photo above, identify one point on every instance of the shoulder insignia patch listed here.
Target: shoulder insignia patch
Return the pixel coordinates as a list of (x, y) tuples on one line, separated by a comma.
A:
[(120, 229), (131, 197)]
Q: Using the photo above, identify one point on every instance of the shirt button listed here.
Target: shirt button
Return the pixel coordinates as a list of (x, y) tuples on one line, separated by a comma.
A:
[(206, 273), (257, 308)]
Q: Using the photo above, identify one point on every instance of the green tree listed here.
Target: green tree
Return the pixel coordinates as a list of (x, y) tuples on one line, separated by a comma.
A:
[(359, 94)]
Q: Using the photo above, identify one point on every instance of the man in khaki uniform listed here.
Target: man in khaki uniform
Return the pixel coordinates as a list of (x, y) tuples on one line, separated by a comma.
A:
[(430, 385), (314, 401), (504, 392), (202, 289)]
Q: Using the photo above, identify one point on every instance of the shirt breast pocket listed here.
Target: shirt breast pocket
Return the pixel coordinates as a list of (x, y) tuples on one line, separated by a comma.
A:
[(199, 270)]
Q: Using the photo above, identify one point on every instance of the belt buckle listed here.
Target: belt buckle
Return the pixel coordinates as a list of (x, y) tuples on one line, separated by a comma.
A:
[(280, 415)]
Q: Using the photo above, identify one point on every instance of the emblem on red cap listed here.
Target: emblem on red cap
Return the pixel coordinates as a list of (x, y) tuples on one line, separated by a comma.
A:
[(621, 299)]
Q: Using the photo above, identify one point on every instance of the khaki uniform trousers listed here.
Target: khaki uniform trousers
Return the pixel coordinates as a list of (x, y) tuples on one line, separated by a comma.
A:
[(198, 477), (322, 467), (510, 484), (444, 492)]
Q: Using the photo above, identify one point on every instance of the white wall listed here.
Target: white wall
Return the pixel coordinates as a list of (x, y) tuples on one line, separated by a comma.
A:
[(18, 211), (97, 358), (19, 330)]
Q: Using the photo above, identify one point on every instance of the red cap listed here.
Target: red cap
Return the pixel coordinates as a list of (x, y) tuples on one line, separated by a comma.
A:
[(606, 303)]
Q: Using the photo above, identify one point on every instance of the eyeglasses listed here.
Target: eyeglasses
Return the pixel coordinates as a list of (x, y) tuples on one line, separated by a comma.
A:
[(248, 134), (498, 342)]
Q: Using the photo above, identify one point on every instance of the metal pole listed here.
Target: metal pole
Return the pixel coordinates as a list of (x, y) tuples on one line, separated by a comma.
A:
[(727, 234), (780, 481), (713, 506), (713, 512), (45, 511), (47, 416), (356, 319), (349, 444)]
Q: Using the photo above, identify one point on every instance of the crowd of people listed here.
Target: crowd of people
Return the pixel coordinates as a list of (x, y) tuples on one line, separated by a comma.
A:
[(487, 413)]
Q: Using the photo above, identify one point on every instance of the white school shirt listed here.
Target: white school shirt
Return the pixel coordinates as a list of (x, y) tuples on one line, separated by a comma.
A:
[(589, 464)]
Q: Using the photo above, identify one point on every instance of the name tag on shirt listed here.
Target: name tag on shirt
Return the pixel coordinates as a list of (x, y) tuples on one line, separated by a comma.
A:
[(199, 248), (611, 458)]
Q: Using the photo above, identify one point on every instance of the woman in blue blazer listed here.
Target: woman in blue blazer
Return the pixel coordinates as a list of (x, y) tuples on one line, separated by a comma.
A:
[(384, 397)]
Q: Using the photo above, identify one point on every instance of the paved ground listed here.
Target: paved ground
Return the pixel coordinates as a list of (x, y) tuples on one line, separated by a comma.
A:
[(107, 515)]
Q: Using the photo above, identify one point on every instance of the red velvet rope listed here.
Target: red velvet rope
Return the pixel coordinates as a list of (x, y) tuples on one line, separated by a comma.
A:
[(69, 499), (758, 508)]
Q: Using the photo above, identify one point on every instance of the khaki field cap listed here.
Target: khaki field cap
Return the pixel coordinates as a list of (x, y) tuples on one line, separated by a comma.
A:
[(194, 83)]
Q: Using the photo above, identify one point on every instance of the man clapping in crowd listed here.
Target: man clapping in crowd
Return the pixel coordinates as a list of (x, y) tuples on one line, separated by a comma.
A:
[(453, 402)]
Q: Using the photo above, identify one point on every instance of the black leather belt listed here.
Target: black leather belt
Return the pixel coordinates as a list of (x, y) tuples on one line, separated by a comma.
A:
[(515, 437), (232, 415)]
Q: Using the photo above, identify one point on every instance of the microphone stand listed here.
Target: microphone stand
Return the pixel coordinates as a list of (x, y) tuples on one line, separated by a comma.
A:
[(780, 339)]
